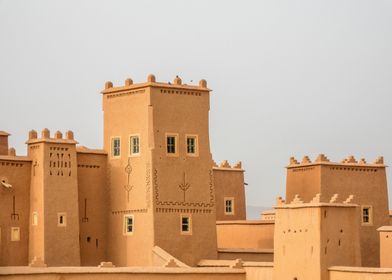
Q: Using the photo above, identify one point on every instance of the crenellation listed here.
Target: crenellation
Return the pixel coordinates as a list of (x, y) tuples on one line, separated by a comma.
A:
[(108, 85), (177, 81), (12, 152), (379, 160), (58, 135), (33, 134), (128, 82), (349, 163), (293, 161), (69, 135), (151, 78), (45, 133), (321, 158), (306, 160), (349, 159)]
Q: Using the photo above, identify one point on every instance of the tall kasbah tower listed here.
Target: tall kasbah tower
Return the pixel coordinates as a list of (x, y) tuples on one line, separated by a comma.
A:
[(366, 181), (54, 221), (160, 171), (310, 237)]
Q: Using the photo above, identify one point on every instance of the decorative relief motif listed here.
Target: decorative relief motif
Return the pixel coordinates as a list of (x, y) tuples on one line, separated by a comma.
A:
[(129, 211), (125, 93), (59, 163), (180, 92), (181, 210), (302, 169), (184, 186), (207, 204), (88, 166), (8, 163), (148, 186), (355, 169), (128, 170)]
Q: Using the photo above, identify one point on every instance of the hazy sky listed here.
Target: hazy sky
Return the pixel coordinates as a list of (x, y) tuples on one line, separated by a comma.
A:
[(288, 77)]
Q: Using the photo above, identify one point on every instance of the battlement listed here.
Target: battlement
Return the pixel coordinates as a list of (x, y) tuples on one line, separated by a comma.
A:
[(317, 201), (45, 137), (225, 165), (151, 82), (321, 159)]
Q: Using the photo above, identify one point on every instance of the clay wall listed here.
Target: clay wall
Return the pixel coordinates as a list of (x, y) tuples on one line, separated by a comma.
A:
[(126, 113), (229, 184), (252, 255), (3, 143), (14, 209), (367, 182), (183, 184), (359, 273), (310, 237), (385, 246), (245, 234), (93, 206)]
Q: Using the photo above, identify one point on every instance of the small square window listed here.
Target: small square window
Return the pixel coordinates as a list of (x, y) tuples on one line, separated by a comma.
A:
[(191, 145), (128, 224), (367, 215), (35, 219), (116, 147), (61, 219), (134, 145), (186, 224), (171, 144), (15, 234), (229, 205)]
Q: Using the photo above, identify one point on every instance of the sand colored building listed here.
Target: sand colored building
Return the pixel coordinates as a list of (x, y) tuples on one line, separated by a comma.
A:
[(153, 203)]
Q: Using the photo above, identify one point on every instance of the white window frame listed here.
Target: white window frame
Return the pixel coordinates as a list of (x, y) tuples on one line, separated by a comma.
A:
[(125, 224), (13, 236), (131, 146), (232, 205), (112, 146), (196, 137), (188, 232), (34, 219), (370, 215), (62, 223), (175, 135)]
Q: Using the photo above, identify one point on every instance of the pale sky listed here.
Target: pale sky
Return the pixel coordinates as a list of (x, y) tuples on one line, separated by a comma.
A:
[(289, 78)]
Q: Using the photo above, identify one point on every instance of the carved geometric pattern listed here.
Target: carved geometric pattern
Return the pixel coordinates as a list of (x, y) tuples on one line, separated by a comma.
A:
[(128, 170), (208, 204), (125, 93), (148, 186), (128, 211), (8, 163), (182, 210), (88, 166), (184, 186), (181, 92), (59, 163)]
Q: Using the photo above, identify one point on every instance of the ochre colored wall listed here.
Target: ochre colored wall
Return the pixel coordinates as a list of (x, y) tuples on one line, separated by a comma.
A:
[(311, 237), (367, 182), (229, 182), (3, 144), (15, 171), (183, 111), (93, 208), (250, 257), (245, 234), (359, 273), (386, 246)]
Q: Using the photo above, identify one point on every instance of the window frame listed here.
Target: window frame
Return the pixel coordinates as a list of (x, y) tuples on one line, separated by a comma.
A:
[(112, 155), (175, 135), (196, 137), (370, 215), (125, 224), (13, 237), (189, 232), (64, 222), (34, 218), (232, 205), (131, 153)]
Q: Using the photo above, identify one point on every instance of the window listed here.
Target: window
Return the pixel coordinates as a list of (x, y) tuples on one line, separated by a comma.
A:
[(116, 147), (171, 144), (15, 234), (134, 141), (191, 145), (186, 224), (35, 219), (128, 224), (61, 219), (229, 205), (367, 215)]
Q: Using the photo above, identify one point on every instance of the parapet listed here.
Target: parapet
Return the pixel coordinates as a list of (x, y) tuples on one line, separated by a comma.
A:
[(321, 159), (45, 137), (225, 165), (152, 82), (319, 200)]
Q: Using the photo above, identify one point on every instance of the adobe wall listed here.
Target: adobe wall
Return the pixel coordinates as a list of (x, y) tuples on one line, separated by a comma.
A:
[(14, 209), (229, 183), (385, 246), (367, 182), (310, 237), (359, 273), (249, 255), (4, 143), (135, 273), (93, 208), (126, 112), (245, 234), (183, 184)]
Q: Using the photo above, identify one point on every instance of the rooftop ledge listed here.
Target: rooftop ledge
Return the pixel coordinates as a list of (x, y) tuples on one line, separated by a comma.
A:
[(246, 250), (361, 269), (23, 270), (246, 222), (15, 158)]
